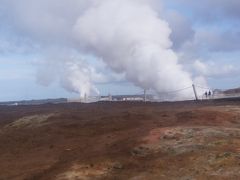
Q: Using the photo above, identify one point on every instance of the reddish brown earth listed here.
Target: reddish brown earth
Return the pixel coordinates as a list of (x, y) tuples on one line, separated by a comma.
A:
[(137, 141)]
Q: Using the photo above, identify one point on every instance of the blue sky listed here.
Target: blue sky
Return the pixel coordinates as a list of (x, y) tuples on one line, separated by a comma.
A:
[(18, 82), (205, 36)]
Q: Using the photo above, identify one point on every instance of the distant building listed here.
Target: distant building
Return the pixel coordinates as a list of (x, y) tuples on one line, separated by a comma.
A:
[(86, 99), (91, 99), (126, 98)]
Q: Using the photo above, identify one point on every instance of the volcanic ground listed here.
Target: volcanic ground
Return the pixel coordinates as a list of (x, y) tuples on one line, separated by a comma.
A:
[(122, 140)]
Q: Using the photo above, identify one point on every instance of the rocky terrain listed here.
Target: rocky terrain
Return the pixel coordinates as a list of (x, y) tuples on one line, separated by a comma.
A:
[(136, 141)]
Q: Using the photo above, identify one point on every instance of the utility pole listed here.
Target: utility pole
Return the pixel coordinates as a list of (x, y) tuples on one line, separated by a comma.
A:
[(110, 97), (85, 98), (145, 95), (195, 92)]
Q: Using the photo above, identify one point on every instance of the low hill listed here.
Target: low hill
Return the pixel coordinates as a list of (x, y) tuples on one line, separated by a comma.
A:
[(122, 140)]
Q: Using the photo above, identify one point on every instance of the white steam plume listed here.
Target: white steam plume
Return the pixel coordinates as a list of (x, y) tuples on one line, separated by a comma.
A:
[(73, 74), (131, 38), (128, 35), (77, 78)]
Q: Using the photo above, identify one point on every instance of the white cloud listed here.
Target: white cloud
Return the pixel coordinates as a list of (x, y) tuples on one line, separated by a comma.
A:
[(212, 69), (136, 38)]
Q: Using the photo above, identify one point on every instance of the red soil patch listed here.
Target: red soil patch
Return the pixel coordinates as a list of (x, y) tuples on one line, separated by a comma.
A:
[(182, 140)]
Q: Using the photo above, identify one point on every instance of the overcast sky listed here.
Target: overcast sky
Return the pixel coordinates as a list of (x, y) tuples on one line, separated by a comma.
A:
[(205, 36)]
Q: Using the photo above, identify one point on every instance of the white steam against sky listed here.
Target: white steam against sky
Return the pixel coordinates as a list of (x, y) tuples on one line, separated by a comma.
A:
[(129, 36)]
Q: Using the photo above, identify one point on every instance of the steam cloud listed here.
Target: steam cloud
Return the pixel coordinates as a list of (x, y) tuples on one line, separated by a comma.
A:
[(128, 36), (131, 38)]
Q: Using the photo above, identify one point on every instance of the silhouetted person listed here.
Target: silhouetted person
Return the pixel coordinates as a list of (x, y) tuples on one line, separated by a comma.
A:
[(206, 94), (209, 93)]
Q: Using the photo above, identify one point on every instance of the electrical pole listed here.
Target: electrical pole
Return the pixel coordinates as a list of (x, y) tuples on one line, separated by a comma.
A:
[(145, 95), (195, 92), (85, 98), (110, 97)]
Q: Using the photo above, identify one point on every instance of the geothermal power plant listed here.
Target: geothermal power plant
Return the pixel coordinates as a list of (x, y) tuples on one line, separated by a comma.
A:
[(119, 90)]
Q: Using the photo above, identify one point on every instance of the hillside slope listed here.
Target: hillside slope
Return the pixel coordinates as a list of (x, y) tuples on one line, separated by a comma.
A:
[(134, 141)]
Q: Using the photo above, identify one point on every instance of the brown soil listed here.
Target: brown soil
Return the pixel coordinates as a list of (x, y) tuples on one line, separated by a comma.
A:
[(137, 141)]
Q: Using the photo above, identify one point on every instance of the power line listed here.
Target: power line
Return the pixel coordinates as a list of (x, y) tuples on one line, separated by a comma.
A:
[(170, 92), (202, 87), (141, 93), (176, 91)]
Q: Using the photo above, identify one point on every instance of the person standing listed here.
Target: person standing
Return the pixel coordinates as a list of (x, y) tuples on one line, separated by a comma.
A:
[(209, 94), (206, 94)]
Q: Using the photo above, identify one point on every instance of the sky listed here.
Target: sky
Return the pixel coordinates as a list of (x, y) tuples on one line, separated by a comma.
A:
[(65, 48)]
